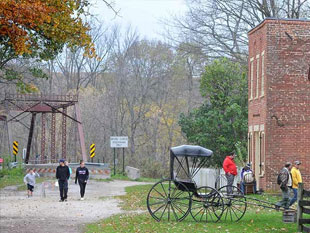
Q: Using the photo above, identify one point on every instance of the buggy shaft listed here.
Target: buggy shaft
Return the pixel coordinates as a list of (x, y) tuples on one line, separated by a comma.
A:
[(253, 203)]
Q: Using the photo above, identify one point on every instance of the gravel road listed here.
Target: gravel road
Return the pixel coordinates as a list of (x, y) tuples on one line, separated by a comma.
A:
[(44, 213)]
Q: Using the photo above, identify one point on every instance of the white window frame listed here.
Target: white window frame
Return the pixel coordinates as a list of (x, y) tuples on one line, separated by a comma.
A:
[(263, 75), (257, 76), (262, 152), (251, 77), (250, 146)]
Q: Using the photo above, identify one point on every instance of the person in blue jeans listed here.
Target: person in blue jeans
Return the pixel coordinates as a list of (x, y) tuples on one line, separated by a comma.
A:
[(296, 179), (285, 182), (247, 177)]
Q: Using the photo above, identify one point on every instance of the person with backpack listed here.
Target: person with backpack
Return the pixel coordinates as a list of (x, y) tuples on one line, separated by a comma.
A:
[(82, 176), (296, 179), (62, 175), (285, 181), (230, 169), (247, 177)]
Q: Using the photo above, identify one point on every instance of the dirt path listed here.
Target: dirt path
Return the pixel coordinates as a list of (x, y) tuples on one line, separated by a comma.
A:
[(19, 214)]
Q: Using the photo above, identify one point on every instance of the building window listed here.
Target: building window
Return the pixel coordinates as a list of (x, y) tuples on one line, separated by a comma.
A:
[(262, 154), (257, 75), (251, 77), (263, 75)]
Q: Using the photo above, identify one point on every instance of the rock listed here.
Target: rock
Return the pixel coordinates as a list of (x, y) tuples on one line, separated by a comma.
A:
[(132, 173)]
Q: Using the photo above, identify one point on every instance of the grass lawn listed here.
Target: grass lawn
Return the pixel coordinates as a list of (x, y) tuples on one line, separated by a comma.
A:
[(15, 176), (10, 177), (255, 220)]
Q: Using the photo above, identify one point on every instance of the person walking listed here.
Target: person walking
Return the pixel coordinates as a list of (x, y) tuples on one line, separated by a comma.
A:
[(30, 181), (62, 175), (285, 182), (70, 170), (296, 179), (230, 169), (82, 176)]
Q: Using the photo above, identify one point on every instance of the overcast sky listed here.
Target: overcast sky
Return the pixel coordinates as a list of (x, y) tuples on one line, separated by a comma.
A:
[(144, 15)]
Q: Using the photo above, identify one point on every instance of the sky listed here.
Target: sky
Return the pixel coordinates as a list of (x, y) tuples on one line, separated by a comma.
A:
[(143, 15)]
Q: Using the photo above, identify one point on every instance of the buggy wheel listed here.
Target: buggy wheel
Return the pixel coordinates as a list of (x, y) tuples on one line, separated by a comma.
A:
[(207, 205), (167, 201), (234, 203)]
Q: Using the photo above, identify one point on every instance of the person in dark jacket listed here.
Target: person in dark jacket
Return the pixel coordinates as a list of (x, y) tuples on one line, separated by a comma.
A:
[(285, 184), (82, 175), (62, 175)]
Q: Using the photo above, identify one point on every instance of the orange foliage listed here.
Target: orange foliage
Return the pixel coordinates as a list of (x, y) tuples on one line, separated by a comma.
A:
[(36, 25)]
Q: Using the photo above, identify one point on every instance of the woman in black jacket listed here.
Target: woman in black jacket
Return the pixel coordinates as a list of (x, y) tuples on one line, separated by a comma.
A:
[(82, 176)]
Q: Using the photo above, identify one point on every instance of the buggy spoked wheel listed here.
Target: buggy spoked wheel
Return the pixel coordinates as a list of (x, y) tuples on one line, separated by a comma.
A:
[(207, 205), (167, 200), (234, 203)]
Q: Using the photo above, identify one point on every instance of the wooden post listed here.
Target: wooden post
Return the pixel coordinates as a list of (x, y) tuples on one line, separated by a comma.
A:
[(299, 208)]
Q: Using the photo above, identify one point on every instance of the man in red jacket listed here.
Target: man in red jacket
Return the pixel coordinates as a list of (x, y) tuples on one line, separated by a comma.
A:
[(230, 169)]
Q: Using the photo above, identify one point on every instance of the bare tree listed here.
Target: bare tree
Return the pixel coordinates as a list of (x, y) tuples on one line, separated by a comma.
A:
[(79, 70), (219, 27)]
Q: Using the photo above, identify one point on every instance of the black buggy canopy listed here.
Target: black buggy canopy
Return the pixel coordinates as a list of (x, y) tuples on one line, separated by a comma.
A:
[(189, 160), (191, 151)]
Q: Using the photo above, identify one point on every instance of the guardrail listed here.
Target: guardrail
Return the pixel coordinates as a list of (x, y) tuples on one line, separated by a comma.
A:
[(303, 208), (41, 97), (96, 170)]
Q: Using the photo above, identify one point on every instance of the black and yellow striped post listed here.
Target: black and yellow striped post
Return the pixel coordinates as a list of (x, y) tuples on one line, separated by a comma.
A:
[(92, 150), (15, 149)]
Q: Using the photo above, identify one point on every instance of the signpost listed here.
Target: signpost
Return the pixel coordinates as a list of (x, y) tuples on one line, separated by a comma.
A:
[(92, 150), (15, 149), (119, 142)]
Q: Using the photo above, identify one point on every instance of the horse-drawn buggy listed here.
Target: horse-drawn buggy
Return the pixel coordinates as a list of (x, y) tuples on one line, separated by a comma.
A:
[(177, 197)]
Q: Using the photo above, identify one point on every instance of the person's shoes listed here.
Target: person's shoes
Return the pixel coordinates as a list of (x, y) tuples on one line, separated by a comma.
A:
[(82, 198), (61, 200), (65, 200)]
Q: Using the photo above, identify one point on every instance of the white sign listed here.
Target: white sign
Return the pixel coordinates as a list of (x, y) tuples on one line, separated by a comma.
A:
[(119, 142), (24, 153)]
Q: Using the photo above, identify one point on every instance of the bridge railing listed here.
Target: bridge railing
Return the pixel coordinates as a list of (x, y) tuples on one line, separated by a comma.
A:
[(41, 97)]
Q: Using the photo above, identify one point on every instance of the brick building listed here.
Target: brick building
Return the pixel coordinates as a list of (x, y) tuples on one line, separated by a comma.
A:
[(279, 98)]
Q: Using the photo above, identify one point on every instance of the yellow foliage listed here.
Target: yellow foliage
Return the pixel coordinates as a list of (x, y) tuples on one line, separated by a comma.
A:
[(29, 25)]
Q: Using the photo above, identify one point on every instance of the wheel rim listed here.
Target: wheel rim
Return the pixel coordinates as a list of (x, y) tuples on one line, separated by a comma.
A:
[(166, 201), (207, 205), (234, 204)]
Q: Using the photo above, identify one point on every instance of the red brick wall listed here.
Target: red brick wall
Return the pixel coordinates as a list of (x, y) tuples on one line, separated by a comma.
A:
[(285, 108)]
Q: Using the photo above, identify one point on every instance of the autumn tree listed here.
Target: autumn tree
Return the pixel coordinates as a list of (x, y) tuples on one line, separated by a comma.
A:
[(38, 30)]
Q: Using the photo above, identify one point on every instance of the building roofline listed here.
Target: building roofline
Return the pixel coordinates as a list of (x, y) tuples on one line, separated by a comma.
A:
[(276, 19)]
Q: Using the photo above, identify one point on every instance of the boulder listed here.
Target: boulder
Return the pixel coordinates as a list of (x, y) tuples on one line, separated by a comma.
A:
[(132, 173)]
